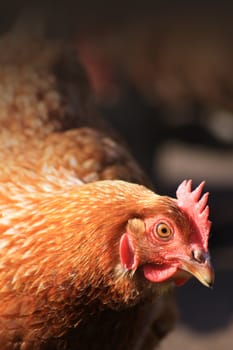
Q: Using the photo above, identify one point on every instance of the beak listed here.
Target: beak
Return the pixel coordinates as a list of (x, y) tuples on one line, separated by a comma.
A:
[(202, 270)]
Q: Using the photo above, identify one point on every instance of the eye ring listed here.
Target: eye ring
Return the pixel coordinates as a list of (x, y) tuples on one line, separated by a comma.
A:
[(163, 230)]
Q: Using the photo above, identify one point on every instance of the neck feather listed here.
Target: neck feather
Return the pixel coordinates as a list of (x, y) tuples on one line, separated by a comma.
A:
[(68, 242)]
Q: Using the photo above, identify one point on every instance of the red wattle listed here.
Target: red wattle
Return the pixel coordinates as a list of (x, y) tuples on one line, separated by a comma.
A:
[(158, 273), (181, 281)]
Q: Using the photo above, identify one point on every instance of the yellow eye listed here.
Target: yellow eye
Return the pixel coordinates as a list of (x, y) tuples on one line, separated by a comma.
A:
[(163, 230)]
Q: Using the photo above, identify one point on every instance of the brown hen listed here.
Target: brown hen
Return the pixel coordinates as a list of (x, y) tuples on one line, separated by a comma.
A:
[(84, 263)]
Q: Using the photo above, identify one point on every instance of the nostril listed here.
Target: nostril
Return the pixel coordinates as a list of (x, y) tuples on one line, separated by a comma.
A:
[(199, 256)]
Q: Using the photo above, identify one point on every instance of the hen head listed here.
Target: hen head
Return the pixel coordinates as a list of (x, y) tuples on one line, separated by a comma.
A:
[(171, 245)]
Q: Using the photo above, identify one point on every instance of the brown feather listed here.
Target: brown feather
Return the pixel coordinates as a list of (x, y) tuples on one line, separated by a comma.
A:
[(54, 282)]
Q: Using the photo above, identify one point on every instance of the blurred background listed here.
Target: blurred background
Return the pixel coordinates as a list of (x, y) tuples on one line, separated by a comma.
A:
[(162, 76)]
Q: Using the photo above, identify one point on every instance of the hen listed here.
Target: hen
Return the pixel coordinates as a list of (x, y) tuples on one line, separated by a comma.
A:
[(88, 260)]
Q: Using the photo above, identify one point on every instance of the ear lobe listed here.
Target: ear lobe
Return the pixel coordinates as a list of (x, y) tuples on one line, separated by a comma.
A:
[(127, 253)]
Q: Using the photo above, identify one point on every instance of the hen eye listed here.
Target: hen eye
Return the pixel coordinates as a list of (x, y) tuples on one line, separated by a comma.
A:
[(163, 230)]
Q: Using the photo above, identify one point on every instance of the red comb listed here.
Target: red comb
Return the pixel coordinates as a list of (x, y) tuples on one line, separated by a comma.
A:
[(195, 206)]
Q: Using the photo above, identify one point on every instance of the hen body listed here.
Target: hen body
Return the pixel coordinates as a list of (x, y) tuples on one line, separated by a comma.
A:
[(44, 94)]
